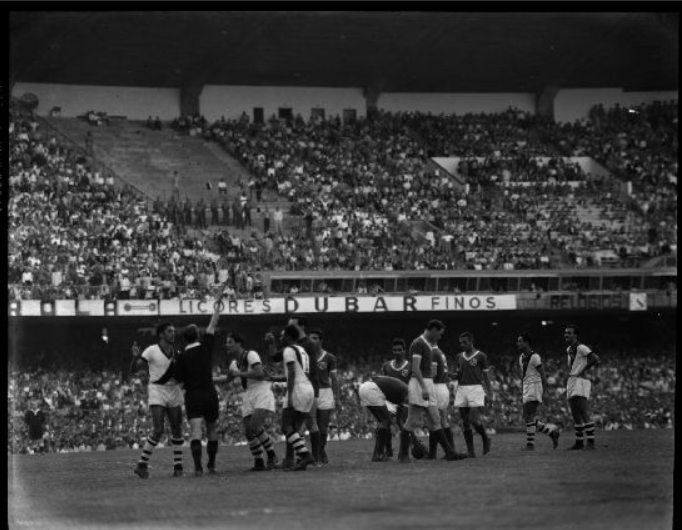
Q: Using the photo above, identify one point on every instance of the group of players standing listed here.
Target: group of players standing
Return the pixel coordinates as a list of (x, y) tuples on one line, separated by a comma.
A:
[(406, 389)]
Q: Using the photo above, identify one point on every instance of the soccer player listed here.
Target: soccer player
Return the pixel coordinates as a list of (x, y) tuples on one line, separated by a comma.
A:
[(474, 386), (439, 367), (35, 420), (258, 401), (422, 394), (375, 395), (164, 399), (328, 395), (300, 395), (193, 368), (534, 387), (313, 351), (580, 359), (399, 368)]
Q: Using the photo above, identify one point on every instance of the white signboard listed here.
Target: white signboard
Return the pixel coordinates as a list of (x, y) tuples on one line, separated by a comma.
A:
[(638, 302)]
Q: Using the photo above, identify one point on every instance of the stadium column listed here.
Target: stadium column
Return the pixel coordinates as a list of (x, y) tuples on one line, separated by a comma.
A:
[(544, 101), (190, 94), (372, 94)]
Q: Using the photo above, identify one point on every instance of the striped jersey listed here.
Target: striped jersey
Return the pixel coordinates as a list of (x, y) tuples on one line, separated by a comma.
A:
[(577, 358), (529, 363)]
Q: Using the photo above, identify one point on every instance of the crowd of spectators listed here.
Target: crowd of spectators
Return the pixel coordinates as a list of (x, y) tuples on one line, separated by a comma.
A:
[(105, 410), (365, 198)]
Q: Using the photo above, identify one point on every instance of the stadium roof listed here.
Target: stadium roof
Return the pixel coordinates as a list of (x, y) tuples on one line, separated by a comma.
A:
[(388, 51)]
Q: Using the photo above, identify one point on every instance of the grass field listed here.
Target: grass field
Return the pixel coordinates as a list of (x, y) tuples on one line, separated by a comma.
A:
[(626, 484)]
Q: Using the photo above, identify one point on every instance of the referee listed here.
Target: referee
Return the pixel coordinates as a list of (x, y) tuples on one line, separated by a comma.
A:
[(194, 368)]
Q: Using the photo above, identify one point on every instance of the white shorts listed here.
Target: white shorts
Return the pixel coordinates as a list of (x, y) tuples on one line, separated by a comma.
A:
[(532, 392), (168, 396), (258, 397), (371, 395), (414, 396), (442, 395), (577, 386), (325, 401), (302, 398), (470, 396)]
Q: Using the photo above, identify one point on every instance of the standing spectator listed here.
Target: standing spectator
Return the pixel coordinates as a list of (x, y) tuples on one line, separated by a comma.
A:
[(277, 217), (226, 212), (35, 420), (266, 220), (222, 187), (215, 218), (89, 148)]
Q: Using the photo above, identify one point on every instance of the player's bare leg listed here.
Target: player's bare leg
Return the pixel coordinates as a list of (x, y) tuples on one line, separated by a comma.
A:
[(211, 445), (175, 420), (195, 429)]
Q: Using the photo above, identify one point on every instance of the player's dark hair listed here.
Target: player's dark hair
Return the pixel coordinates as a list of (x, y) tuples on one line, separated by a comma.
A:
[(526, 337), (317, 332), (467, 334), (399, 342), (574, 328), (191, 334), (237, 337), (301, 321), (292, 331), (162, 327), (435, 324)]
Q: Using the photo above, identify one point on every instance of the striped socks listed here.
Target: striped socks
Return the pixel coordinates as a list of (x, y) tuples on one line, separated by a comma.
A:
[(266, 443), (530, 434), (256, 449), (298, 444), (589, 432), (149, 446), (543, 428), (579, 434), (177, 451)]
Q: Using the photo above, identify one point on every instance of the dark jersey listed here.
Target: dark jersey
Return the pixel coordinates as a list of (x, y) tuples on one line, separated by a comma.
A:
[(401, 371), (470, 368), (193, 367), (439, 366), (421, 347), (35, 419), (394, 389), (325, 366)]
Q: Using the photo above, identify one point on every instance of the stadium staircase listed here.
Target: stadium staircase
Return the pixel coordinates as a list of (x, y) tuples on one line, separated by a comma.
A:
[(148, 158)]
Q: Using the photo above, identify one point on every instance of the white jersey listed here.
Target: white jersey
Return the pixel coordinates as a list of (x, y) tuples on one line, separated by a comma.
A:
[(300, 369), (530, 374), (158, 363), (249, 361), (577, 358)]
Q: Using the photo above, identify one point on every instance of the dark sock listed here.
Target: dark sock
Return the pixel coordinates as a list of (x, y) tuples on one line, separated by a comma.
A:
[(195, 447), (289, 455), (315, 445), (469, 439), (433, 445), (450, 436), (439, 435), (385, 440), (388, 440), (480, 430), (212, 450), (323, 441), (404, 451)]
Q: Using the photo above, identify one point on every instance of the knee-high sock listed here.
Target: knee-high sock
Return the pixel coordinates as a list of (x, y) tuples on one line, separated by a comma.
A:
[(404, 450), (579, 433), (480, 430), (266, 442), (543, 427), (469, 439), (450, 436), (147, 450), (195, 448), (256, 448), (530, 434), (439, 435), (589, 432), (177, 451), (433, 445), (315, 445), (212, 450), (298, 444)]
